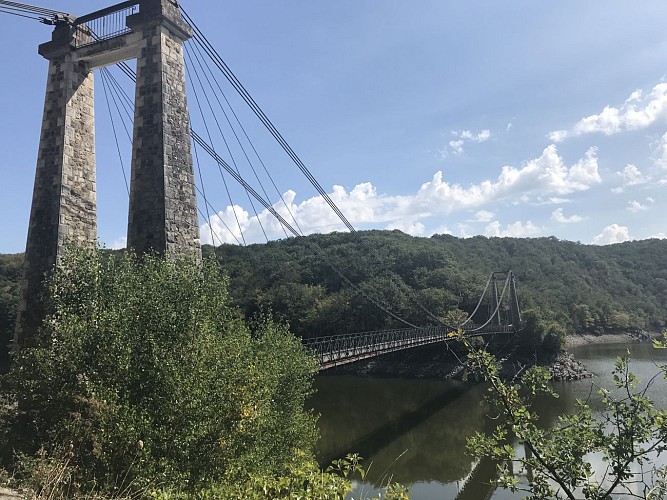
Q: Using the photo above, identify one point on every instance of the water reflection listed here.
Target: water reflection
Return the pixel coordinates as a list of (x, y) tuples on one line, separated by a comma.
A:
[(415, 430)]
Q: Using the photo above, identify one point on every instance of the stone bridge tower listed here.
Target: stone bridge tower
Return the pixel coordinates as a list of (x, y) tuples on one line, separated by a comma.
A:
[(163, 211)]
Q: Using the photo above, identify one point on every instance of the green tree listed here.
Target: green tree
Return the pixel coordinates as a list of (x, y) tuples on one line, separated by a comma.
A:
[(630, 432), (143, 372)]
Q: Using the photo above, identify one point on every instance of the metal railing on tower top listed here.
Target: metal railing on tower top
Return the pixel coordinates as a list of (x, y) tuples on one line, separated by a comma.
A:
[(104, 24)]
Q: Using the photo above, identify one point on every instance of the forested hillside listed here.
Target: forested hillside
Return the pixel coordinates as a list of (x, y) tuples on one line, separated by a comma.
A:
[(585, 287), (10, 276)]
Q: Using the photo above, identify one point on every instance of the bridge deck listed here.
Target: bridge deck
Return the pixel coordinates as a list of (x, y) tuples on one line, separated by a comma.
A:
[(338, 350)]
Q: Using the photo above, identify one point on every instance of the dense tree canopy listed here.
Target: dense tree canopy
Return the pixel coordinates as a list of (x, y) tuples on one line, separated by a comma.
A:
[(147, 374), (585, 288), (10, 277)]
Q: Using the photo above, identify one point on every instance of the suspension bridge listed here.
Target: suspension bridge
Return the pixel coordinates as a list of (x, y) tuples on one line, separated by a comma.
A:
[(173, 54)]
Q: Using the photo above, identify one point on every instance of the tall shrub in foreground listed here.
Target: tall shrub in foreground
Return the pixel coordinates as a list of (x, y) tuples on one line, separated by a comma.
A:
[(143, 373), (558, 462)]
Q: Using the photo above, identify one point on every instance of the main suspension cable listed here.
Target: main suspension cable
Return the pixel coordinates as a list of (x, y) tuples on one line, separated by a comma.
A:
[(224, 181), (222, 66), (31, 9), (200, 57), (502, 295), (269, 207), (113, 128), (224, 139)]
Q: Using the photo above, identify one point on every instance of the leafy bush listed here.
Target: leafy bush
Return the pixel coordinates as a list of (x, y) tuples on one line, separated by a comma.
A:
[(557, 462), (146, 374), (554, 339)]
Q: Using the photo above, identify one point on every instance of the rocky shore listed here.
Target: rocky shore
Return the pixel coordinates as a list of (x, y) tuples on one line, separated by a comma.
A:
[(565, 367), (7, 494), (578, 339)]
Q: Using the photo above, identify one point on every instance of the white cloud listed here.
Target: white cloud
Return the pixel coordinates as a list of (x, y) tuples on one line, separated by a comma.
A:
[(557, 135), (457, 146), (119, 243), (463, 136), (639, 111), (411, 228), (517, 229), (464, 230), (634, 206), (612, 234), (661, 158), (632, 176), (558, 216), (660, 236), (441, 230), (552, 200), (544, 177), (483, 216)]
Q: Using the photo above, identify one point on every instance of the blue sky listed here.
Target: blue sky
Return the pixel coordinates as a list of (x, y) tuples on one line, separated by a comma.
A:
[(515, 118)]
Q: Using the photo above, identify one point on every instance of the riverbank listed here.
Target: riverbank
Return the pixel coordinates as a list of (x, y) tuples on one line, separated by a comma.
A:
[(7, 494), (578, 339)]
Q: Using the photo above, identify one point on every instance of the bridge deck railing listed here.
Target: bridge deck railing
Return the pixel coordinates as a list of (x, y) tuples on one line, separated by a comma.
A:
[(333, 350)]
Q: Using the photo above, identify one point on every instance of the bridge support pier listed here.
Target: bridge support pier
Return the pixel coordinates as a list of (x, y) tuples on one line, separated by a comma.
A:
[(163, 211), (163, 207), (64, 201)]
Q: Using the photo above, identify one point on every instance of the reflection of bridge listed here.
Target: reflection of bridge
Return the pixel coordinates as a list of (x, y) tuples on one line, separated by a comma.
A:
[(335, 350)]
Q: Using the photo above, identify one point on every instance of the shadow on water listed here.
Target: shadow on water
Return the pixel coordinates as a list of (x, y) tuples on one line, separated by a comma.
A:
[(399, 426), (415, 430), (372, 442)]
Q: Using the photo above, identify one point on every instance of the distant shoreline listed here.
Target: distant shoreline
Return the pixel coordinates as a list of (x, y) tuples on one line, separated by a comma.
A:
[(579, 339)]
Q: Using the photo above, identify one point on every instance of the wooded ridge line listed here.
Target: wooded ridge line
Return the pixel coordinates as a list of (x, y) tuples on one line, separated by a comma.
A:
[(586, 288)]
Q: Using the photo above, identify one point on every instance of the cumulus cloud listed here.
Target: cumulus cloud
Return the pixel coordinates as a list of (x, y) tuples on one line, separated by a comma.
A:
[(632, 176), (441, 230), (634, 206), (483, 216), (557, 135), (639, 111), (517, 229), (544, 176), (551, 200), (118, 243), (463, 136), (660, 236), (411, 228), (558, 216), (464, 230), (547, 176), (612, 234), (661, 152)]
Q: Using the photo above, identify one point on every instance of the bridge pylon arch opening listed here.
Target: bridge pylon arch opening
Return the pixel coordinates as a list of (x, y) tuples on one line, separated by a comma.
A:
[(162, 215)]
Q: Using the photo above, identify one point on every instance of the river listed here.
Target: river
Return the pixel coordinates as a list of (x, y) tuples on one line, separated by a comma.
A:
[(414, 431)]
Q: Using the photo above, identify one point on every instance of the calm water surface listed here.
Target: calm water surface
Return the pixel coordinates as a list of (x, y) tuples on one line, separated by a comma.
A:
[(414, 431)]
